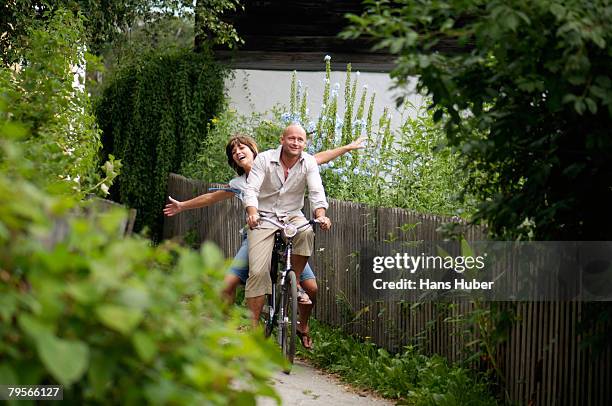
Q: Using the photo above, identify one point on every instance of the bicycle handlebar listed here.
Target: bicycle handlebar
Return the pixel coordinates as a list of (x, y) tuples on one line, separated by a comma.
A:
[(290, 230)]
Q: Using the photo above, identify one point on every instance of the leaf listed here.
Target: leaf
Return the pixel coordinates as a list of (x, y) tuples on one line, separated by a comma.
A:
[(466, 250), (8, 306), (135, 297), (66, 360), (511, 21), (558, 10), (599, 41), (33, 327), (396, 45), (591, 105), (579, 106), (83, 292), (360, 312), (7, 375), (212, 256), (100, 373), (568, 98), (145, 346), (118, 318)]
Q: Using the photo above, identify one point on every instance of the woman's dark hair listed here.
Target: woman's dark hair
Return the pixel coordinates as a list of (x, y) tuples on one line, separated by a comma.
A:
[(237, 140)]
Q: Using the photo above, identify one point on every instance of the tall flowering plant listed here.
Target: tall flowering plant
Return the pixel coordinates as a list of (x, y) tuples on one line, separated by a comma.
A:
[(362, 175), (407, 167)]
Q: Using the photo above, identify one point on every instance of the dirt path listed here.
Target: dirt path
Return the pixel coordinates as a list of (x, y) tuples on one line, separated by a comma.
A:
[(308, 386)]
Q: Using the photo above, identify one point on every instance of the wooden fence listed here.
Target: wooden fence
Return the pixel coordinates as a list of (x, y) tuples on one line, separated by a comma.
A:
[(543, 360), (95, 208)]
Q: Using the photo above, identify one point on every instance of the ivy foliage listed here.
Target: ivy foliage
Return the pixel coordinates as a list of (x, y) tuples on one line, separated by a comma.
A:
[(527, 91), (154, 116)]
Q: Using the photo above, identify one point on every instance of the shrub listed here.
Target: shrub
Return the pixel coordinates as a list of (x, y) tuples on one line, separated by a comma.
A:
[(154, 115), (115, 321), (409, 375), (61, 133), (527, 93)]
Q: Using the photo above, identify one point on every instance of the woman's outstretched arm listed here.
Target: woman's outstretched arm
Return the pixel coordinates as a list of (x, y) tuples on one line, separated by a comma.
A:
[(207, 199)]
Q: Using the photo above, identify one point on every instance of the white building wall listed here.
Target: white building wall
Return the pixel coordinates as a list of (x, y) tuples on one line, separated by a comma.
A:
[(259, 90)]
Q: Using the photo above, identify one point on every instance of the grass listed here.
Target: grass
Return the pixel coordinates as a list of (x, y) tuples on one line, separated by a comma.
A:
[(410, 377)]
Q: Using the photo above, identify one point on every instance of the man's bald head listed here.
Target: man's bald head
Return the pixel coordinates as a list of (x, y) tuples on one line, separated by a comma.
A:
[(294, 127), (293, 140)]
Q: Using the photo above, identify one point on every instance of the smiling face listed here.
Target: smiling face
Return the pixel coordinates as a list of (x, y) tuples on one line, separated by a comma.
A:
[(293, 141), (243, 156), (241, 151)]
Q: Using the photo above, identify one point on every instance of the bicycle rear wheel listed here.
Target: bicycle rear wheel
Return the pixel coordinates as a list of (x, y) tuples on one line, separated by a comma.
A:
[(288, 326)]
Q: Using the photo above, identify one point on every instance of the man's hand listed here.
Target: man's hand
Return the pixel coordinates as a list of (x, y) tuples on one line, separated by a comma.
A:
[(172, 208), (324, 222), (253, 221)]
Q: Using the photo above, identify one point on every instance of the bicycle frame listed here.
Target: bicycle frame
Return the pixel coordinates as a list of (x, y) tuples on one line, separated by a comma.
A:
[(282, 252)]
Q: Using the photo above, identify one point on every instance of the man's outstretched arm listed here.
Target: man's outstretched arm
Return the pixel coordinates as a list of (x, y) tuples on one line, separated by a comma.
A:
[(331, 154), (316, 194)]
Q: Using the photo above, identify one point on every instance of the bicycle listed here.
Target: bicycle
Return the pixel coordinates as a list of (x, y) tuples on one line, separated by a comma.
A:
[(282, 309)]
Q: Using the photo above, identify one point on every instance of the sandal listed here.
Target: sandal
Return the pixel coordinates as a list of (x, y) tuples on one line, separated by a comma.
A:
[(305, 339), (303, 297)]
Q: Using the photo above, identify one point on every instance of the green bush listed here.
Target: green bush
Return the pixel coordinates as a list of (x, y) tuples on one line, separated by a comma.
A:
[(116, 321), (61, 133), (154, 115), (526, 89), (210, 165), (410, 376)]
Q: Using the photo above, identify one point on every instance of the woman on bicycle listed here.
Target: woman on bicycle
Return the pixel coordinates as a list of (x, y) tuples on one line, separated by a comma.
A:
[(241, 151)]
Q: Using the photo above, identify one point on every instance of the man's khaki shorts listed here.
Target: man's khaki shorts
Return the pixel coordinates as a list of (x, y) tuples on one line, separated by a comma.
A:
[(261, 242)]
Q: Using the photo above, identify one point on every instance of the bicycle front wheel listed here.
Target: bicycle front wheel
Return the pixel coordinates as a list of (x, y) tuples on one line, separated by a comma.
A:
[(267, 314), (289, 323)]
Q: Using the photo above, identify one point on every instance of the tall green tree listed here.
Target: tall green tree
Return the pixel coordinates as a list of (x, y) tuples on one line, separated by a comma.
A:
[(105, 20), (110, 20), (211, 28), (526, 88)]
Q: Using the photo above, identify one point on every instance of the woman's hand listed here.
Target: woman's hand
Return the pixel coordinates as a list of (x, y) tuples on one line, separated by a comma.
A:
[(172, 208)]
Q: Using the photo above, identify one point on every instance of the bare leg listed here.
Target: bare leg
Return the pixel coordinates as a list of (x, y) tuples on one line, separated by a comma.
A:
[(298, 262), (231, 282), (311, 288), (255, 304)]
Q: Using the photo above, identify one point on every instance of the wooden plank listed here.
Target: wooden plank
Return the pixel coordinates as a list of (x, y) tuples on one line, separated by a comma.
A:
[(565, 345), (539, 352)]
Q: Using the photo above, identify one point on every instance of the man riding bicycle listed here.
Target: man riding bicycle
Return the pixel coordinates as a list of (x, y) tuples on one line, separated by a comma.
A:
[(275, 188)]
